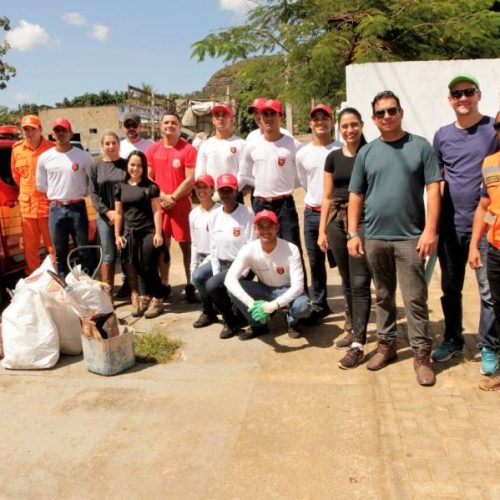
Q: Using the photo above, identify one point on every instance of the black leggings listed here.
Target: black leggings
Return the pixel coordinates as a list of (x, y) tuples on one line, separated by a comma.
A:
[(355, 276)]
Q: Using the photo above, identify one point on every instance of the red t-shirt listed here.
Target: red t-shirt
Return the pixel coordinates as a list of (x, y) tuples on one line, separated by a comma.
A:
[(169, 164)]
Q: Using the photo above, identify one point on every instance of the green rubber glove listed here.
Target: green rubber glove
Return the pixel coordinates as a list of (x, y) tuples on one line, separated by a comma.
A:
[(256, 304), (258, 314)]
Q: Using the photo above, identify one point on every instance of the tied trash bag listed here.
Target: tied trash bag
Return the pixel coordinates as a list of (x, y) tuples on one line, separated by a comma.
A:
[(30, 337)]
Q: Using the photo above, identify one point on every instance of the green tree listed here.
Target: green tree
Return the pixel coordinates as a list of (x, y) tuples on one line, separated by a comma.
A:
[(6, 71), (311, 41), (103, 98)]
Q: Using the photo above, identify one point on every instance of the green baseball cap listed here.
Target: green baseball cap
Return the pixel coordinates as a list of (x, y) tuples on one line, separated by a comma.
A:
[(463, 77)]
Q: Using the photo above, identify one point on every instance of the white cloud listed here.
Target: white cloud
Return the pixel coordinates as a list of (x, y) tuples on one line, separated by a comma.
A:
[(237, 6), (100, 32), (23, 97), (74, 18), (26, 36)]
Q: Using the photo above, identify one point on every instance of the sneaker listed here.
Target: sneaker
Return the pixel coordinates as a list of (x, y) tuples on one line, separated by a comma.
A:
[(447, 350), (154, 309), (205, 320), (386, 353), (254, 331), (166, 291), (346, 342), (353, 358), (489, 362), (294, 331), (190, 292), (228, 331)]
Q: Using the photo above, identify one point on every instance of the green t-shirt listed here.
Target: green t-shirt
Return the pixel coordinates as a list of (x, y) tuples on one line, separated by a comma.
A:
[(392, 177)]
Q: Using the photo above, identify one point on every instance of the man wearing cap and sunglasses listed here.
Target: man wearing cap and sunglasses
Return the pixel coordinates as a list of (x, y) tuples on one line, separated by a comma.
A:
[(310, 167), (133, 140), (33, 204), (461, 147), (62, 173)]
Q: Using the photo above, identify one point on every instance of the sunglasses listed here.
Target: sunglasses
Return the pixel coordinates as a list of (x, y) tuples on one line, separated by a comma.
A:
[(457, 94), (496, 126), (390, 111), (130, 125)]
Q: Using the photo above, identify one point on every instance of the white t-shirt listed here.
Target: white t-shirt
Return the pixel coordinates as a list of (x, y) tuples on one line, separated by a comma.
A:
[(228, 233), (257, 133), (219, 156), (270, 166), (126, 147), (311, 170), (64, 176), (280, 268), (200, 237)]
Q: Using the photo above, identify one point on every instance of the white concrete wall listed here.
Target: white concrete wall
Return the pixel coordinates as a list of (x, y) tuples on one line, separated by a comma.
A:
[(422, 87)]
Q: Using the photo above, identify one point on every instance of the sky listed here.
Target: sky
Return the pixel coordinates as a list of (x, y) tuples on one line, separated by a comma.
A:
[(67, 48)]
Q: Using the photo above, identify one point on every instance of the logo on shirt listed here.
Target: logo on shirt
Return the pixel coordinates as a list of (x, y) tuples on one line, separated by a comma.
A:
[(234, 150), (280, 270), (236, 231), (75, 167), (176, 163), (281, 160)]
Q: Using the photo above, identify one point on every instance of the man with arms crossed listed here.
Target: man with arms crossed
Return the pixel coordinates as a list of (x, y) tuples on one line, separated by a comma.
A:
[(389, 176)]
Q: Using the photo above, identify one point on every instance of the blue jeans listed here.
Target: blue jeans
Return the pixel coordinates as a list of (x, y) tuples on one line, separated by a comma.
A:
[(299, 308), (316, 258), (199, 279), (453, 250), (107, 239), (65, 221)]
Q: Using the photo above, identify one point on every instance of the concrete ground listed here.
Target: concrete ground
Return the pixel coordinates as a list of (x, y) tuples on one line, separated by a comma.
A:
[(266, 418)]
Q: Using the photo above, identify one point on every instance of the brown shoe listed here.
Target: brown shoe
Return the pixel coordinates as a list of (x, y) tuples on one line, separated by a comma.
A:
[(490, 383), (353, 358), (386, 353), (422, 365), (154, 309)]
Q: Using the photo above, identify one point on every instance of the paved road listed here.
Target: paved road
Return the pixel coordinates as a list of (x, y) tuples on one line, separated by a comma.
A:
[(267, 418)]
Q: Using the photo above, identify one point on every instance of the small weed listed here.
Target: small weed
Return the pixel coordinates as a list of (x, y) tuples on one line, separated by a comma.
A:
[(155, 346)]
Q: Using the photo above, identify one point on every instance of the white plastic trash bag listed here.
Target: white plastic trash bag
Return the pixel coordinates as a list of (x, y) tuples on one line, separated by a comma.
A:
[(30, 338), (39, 279)]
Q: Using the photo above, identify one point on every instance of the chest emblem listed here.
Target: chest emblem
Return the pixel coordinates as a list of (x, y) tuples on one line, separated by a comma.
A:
[(176, 163), (280, 270), (75, 167), (281, 160), (233, 150), (236, 231)]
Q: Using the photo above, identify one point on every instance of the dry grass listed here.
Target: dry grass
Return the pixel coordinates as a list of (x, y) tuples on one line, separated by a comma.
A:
[(155, 346)]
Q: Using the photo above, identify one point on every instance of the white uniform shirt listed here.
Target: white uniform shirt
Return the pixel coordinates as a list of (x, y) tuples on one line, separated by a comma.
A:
[(257, 133), (126, 147), (200, 238), (280, 268), (311, 170), (64, 176), (228, 233), (270, 166), (219, 156)]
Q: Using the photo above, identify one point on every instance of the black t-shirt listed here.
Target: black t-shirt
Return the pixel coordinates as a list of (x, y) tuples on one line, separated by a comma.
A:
[(136, 201), (340, 166), (103, 179)]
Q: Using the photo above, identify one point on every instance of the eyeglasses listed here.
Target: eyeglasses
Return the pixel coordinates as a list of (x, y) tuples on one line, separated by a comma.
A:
[(390, 111), (131, 125), (496, 126), (457, 94)]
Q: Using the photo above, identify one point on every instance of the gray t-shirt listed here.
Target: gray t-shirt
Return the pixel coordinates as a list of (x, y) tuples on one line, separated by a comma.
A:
[(392, 177)]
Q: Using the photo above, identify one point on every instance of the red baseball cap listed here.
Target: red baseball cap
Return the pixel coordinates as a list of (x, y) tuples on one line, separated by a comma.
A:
[(256, 104), (61, 122), (227, 180), (207, 180), (266, 214), (225, 108), (273, 104), (31, 121), (322, 107)]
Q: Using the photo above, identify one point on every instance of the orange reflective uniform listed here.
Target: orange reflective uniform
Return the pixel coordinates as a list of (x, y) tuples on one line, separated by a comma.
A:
[(32, 203), (491, 179)]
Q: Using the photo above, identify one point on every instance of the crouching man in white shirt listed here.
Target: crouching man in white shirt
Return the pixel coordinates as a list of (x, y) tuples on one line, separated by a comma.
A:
[(278, 267)]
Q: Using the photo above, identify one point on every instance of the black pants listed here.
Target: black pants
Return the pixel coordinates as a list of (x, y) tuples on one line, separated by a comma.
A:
[(355, 278), (494, 281)]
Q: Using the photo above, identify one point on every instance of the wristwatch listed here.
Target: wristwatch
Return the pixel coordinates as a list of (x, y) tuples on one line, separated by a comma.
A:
[(352, 235)]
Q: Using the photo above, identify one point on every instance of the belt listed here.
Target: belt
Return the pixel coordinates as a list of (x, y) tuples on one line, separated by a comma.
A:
[(273, 198), (202, 255), (225, 262), (315, 209), (65, 202)]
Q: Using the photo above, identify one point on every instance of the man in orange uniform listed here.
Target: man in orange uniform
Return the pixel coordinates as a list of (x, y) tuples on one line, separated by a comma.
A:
[(33, 204)]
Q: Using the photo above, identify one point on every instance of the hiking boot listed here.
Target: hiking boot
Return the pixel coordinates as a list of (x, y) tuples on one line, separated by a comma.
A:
[(489, 362), (254, 331), (346, 342), (422, 365), (447, 350), (386, 353), (353, 358), (190, 292), (490, 384), (138, 305), (155, 308), (205, 320), (294, 331), (229, 331)]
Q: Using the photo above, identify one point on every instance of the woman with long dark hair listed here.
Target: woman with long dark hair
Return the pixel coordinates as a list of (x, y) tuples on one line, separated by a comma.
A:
[(333, 235), (138, 209)]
